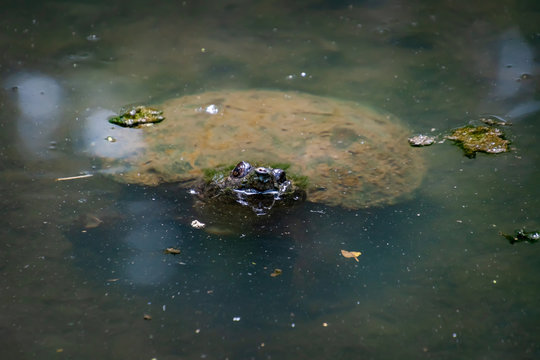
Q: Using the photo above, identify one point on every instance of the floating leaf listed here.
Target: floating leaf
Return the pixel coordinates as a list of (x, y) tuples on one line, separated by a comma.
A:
[(171, 250), (276, 272), (92, 221), (137, 116), (351, 254)]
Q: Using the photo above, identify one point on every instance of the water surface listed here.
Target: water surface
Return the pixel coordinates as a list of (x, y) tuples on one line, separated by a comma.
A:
[(81, 261)]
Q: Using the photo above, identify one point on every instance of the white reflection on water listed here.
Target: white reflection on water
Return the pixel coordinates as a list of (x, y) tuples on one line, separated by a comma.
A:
[(39, 99), (516, 67), (96, 132), (515, 59)]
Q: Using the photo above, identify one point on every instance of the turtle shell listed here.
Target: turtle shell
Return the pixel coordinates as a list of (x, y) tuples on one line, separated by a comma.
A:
[(353, 156)]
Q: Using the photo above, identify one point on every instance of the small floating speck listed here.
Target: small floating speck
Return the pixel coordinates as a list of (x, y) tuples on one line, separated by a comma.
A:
[(421, 140), (197, 224), (236, 318), (110, 139), (93, 37), (212, 109)]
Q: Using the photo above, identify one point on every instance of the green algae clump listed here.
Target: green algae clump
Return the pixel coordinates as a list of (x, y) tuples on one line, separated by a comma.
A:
[(521, 236), (473, 139), (137, 116)]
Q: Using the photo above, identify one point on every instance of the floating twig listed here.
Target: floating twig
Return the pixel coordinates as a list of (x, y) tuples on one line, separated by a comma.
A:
[(74, 177)]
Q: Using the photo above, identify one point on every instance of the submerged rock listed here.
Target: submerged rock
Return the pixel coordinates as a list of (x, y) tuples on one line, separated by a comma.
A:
[(473, 139)]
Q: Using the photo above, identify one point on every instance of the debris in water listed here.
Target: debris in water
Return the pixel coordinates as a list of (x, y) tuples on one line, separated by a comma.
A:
[(494, 120), (276, 272), (421, 140), (171, 250), (74, 177), (521, 235), (92, 221), (197, 224), (147, 317), (351, 254)]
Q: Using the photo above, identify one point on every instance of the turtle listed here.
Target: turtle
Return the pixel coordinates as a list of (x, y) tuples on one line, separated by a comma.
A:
[(345, 154)]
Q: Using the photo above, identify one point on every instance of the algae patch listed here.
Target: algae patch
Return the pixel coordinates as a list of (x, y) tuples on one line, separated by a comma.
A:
[(522, 236), (473, 139), (137, 116)]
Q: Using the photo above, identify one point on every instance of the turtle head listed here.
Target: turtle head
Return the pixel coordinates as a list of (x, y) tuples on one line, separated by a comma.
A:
[(260, 187)]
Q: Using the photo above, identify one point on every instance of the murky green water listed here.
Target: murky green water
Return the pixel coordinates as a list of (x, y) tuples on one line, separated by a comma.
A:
[(81, 261)]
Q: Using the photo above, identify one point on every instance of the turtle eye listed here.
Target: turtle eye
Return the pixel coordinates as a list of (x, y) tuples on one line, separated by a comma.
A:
[(241, 169), (279, 175)]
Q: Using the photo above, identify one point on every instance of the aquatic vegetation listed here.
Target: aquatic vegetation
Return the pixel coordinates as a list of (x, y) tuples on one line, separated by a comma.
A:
[(522, 236), (137, 116), (473, 139)]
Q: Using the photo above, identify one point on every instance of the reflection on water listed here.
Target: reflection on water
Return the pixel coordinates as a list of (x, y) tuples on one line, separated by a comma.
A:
[(39, 99), (96, 129), (82, 261), (513, 83)]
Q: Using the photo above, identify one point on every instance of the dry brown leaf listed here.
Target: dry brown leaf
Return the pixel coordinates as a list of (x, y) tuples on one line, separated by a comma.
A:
[(276, 272), (92, 221), (171, 250), (351, 254)]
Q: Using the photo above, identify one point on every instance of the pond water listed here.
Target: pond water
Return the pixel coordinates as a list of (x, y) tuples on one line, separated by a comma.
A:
[(81, 261)]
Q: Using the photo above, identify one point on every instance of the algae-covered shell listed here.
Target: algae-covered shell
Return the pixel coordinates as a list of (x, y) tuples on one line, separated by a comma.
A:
[(353, 156)]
